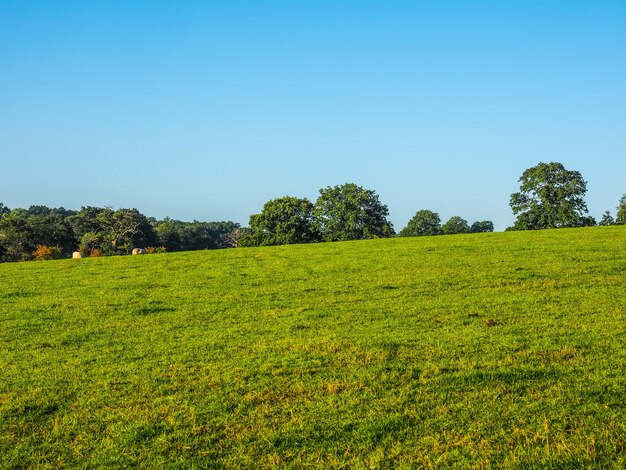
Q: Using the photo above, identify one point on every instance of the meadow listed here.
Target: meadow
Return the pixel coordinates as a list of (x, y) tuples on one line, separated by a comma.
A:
[(497, 350)]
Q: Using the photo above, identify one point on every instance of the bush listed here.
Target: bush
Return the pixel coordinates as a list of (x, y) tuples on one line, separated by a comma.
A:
[(156, 249), (44, 252)]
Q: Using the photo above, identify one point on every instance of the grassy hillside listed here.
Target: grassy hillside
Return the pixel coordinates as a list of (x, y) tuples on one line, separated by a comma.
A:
[(504, 349)]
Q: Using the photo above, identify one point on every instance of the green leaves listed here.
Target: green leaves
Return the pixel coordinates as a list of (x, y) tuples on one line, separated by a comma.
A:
[(455, 225), (350, 212), (283, 221), (423, 223), (344, 212), (550, 197)]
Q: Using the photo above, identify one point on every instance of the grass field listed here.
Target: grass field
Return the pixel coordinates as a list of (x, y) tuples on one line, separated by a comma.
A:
[(486, 350)]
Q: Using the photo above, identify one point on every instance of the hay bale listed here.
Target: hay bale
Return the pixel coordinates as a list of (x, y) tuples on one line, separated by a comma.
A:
[(138, 251), (77, 254)]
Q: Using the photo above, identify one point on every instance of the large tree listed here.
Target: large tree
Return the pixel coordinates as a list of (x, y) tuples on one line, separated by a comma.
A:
[(550, 196), (455, 225), (423, 223), (285, 220), (112, 231), (350, 212), (482, 226)]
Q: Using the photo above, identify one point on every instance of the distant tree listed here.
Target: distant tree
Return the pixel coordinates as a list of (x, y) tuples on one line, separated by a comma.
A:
[(16, 236), (455, 225), (607, 219), (128, 229), (481, 226), (177, 235), (587, 221), (620, 218), (112, 231), (169, 233), (90, 242), (550, 197), (4, 210), (283, 221), (51, 228), (233, 238), (350, 212), (423, 223)]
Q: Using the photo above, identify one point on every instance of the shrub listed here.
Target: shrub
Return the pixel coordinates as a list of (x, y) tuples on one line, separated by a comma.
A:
[(44, 252), (96, 253), (155, 249)]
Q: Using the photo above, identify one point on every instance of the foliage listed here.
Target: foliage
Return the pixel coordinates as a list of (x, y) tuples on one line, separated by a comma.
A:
[(372, 354), (4, 210), (21, 230), (16, 236), (101, 230), (176, 235), (455, 225), (607, 219), (283, 221), (550, 197), (424, 222), (155, 249), (43, 252), (350, 212), (233, 238), (481, 226), (95, 253), (620, 218)]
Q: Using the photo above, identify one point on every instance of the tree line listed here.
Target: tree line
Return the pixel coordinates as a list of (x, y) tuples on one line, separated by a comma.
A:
[(41, 232), (550, 196)]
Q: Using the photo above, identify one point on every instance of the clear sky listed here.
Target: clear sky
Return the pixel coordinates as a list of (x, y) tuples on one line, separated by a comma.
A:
[(207, 109)]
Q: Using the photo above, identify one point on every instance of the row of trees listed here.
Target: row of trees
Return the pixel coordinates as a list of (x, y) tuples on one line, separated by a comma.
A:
[(427, 222), (550, 196), (101, 231), (344, 212)]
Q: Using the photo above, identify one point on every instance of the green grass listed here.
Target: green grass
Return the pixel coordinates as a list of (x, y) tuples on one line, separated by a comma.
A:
[(358, 354)]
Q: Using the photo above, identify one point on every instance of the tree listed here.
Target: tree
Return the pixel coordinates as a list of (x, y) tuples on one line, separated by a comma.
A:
[(283, 221), (3, 210), (112, 232), (455, 225), (423, 223), (129, 228), (482, 226), (620, 218), (169, 231), (16, 236), (550, 197), (607, 219), (233, 238), (350, 212)]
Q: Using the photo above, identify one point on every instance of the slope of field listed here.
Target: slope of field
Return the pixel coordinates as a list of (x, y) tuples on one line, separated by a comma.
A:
[(505, 350)]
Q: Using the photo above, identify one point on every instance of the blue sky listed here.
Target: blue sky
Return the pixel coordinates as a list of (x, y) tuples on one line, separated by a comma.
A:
[(206, 110)]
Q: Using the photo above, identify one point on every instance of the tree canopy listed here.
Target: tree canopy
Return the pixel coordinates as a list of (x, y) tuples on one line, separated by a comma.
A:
[(102, 230), (350, 212), (550, 196), (282, 221), (455, 225), (423, 223), (482, 226)]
